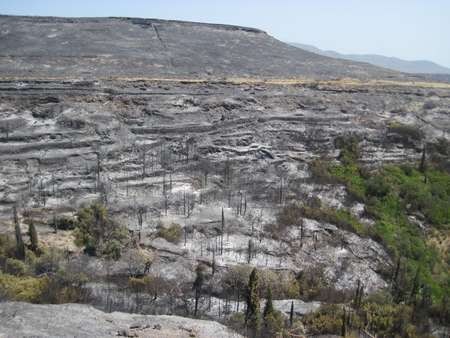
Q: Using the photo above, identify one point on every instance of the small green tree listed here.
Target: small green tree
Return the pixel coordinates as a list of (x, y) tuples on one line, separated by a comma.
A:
[(198, 284), (273, 320), (268, 308), (249, 251), (359, 293), (34, 240), (423, 161), (253, 316), (20, 246), (344, 324), (172, 233), (98, 233)]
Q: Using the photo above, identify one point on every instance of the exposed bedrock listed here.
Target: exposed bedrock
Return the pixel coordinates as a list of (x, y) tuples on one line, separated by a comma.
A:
[(74, 320), (187, 150)]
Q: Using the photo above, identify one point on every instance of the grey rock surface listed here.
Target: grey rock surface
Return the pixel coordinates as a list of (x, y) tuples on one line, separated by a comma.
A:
[(81, 141), (132, 47), (77, 320)]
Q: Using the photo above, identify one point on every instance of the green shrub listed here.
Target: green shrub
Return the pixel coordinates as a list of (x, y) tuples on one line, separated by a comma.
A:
[(393, 320), (61, 287), (99, 234), (63, 223), (289, 215), (65, 286), (293, 213), (391, 195), (350, 175), (406, 133), (26, 289), (327, 320), (7, 246), (439, 154), (15, 267), (273, 324), (314, 285), (379, 316), (34, 239), (319, 171), (377, 187), (349, 148), (171, 234), (48, 262)]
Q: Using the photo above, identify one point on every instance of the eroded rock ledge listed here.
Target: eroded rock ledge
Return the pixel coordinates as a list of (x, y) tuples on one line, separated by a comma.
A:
[(76, 320)]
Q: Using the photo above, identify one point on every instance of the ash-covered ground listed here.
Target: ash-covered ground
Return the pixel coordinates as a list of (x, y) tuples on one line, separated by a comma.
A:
[(159, 153)]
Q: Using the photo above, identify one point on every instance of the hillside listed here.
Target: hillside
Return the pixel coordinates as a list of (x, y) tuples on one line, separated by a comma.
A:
[(148, 167), (129, 47)]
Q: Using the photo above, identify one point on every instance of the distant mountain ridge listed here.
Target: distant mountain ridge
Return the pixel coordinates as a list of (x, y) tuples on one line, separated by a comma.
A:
[(414, 67)]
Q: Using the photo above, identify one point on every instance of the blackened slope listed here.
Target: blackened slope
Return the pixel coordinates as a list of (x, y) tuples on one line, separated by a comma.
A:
[(129, 47)]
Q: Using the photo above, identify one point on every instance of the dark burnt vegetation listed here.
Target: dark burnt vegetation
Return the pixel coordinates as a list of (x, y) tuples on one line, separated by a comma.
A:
[(407, 134)]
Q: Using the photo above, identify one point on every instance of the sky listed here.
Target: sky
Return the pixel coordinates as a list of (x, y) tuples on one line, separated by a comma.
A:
[(408, 29)]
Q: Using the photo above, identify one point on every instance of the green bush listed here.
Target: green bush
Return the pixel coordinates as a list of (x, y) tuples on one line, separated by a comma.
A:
[(387, 319), (391, 195), (328, 320), (406, 133), (292, 214), (439, 154), (61, 287), (7, 249), (349, 148), (319, 171), (377, 187), (65, 286), (311, 282), (63, 223), (171, 234), (48, 262), (350, 175), (289, 215), (15, 267), (273, 325), (26, 289), (99, 234), (378, 316)]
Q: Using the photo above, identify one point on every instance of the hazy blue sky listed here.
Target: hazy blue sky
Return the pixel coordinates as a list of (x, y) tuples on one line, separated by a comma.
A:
[(409, 29)]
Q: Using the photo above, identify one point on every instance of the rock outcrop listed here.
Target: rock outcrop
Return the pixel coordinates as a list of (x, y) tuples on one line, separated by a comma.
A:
[(183, 151), (76, 320)]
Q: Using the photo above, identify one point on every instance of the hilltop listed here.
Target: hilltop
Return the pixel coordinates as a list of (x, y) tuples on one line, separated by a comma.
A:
[(133, 47)]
